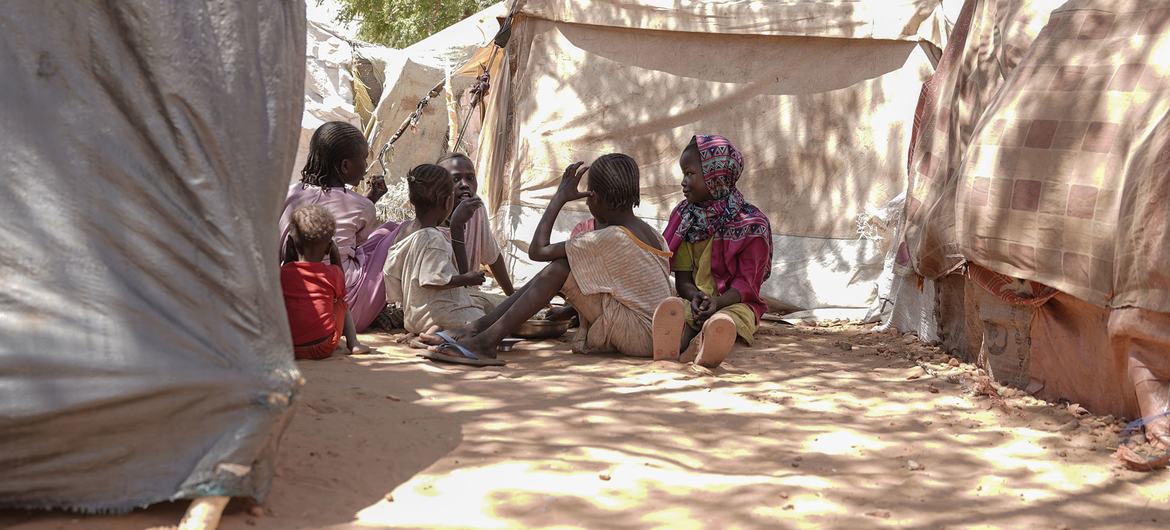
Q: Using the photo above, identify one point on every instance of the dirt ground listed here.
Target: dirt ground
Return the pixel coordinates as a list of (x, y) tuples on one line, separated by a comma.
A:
[(834, 427)]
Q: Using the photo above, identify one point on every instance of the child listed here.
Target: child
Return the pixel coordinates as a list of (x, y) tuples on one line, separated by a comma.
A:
[(614, 275), (723, 254), (314, 293), (337, 158), (426, 271), (481, 245)]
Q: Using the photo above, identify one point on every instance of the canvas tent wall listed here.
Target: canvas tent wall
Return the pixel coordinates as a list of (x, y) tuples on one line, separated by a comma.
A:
[(410, 75), (145, 354), (818, 95)]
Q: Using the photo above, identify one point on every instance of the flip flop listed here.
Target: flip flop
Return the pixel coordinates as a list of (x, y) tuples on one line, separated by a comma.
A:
[(667, 328), (461, 355), (716, 341)]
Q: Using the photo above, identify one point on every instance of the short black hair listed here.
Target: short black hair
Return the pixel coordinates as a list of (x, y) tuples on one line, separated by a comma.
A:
[(454, 155), (311, 225), (614, 178), (332, 142), (428, 185)]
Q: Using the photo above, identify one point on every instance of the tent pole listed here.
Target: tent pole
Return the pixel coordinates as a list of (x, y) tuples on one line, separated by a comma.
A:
[(204, 513)]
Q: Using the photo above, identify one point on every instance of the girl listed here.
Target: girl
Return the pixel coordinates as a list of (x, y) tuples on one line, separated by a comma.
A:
[(428, 270), (337, 158), (723, 254), (476, 236)]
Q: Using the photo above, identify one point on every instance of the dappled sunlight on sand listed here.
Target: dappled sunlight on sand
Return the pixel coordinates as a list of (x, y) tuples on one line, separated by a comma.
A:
[(797, 432)]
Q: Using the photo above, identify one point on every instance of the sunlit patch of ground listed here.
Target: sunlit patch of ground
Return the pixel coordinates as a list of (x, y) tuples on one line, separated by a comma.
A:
[(812, 428)]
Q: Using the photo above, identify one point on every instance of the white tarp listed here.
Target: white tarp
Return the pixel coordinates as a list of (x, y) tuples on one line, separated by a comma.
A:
[(824, 124)]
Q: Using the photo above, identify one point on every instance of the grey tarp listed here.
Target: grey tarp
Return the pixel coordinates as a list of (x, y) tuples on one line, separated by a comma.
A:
[(144, 151)]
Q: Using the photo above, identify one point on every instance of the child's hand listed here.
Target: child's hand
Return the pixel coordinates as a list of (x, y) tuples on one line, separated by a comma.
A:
[(377, 188), (571, 182), (465, 210), (703, 307)]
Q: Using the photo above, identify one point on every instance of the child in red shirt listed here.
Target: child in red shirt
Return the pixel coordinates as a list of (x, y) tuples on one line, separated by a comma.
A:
[(314, 292)]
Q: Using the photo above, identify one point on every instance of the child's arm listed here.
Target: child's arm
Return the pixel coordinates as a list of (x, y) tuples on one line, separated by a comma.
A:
[(500, 273), (540, 249), (459, 218), (334, 255), (467, 279), (289, 252)]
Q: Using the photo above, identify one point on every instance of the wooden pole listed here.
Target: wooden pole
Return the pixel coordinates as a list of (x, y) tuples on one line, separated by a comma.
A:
[(204, 513)]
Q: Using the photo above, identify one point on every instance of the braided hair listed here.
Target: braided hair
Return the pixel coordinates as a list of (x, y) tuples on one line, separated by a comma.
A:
[(614, 179), (429, 186), (332, 143)]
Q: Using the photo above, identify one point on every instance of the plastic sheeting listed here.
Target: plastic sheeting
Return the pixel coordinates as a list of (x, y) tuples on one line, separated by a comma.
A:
[(329, 91), (988, 41), (823, 123), (854, 19), (146, 147), (1066, 182), (409, 75)]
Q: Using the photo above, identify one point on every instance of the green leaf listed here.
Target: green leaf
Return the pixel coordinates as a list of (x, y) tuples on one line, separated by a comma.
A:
[(400, 23)]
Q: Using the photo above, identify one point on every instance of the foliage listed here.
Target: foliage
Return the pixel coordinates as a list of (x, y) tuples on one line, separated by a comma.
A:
[(400, 23)]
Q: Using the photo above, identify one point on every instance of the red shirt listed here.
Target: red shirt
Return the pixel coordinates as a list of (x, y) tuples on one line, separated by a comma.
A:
[(311, 291)]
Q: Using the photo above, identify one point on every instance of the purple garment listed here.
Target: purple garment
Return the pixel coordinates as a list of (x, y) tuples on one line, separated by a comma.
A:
[(362, 243)]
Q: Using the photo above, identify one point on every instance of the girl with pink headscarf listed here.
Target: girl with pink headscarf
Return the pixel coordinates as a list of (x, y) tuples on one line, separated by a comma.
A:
[(722, 249)]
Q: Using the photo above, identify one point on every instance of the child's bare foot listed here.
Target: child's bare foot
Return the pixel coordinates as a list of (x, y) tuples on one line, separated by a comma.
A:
[(565, 312), (667, 329), (715, 341), (359, 349)]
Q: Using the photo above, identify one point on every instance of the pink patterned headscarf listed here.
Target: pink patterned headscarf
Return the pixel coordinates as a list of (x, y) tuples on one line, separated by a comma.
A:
[(740, 234), (728, 216)]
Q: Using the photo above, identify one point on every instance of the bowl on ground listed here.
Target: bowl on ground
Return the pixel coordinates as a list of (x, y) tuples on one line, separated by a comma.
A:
[(542, 329)]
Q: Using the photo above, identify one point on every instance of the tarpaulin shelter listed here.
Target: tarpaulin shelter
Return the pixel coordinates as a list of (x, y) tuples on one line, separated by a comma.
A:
[(1040, 197), (819, 96), (146, 147), (412, 73)]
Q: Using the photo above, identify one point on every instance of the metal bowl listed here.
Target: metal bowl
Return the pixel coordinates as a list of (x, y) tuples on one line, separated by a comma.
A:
[(543, 329)]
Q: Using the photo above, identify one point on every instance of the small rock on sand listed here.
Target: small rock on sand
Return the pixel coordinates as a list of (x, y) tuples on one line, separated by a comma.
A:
[(604, 475), (389, 497), (953, 362), (913, 465), (845, 346), (256, 511), (880, 514), (915, 373)]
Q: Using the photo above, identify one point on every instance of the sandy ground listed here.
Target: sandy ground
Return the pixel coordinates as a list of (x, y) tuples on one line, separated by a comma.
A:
[(812, 428)]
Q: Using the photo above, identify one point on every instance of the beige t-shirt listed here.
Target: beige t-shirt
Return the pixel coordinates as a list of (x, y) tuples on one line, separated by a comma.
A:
[(415, 268), (481, 245)]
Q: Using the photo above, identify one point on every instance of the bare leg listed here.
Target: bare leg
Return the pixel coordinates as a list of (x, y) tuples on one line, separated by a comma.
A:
[(519, 308), (351, 339), (473, 328), (688, 335)]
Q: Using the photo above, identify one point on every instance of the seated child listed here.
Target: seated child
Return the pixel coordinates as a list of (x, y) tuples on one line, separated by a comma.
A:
[(427, 272), (473, 232), (314, 293), (722, 254), (615, 275)]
